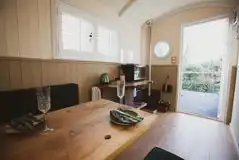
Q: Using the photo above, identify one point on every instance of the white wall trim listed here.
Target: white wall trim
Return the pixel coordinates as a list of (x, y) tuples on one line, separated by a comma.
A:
[(179, 84), (235, 140)]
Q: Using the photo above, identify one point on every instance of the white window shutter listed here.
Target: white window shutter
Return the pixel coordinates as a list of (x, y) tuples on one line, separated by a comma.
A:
[(87, 36), (70, 32)]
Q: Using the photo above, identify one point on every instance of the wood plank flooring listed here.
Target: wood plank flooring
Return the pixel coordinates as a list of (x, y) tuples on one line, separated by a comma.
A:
[(192, 138)]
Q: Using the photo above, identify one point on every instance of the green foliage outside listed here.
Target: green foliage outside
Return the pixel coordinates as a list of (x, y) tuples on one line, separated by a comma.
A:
[(201, 78)]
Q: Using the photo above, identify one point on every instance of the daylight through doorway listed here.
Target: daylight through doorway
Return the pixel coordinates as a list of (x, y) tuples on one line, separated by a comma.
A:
[(202, 60)]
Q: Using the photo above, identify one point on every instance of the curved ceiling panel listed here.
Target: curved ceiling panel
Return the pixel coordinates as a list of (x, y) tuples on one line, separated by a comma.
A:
[(142, 10)]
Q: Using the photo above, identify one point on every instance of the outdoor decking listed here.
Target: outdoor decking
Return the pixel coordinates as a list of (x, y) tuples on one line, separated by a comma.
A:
[(205, 104)]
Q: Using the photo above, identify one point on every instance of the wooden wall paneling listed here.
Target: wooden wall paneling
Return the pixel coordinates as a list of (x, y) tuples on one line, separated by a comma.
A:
[(4, 75), (26, 73), (15, 74), (23, 26), (80, 79), (60, 70), (81, 72), (53, 73), (33, 29), (83, 81), (11, 28), (88, 81), (103, 68), (71, 73), (98, 69), (3, 46), (47, 70), (159, 73), (231, 94), (113, 71), (1, 5), (94, 79), (95, 74), (45, 41), (31, 74)]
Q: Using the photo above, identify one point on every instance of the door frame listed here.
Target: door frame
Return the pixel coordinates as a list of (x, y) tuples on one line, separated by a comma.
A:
[(179, 84)]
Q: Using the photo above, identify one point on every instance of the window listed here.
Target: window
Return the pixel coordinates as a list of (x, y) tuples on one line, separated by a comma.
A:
[(70, 31), (86, 35), (162, 49), (104, 40), (82, 37)]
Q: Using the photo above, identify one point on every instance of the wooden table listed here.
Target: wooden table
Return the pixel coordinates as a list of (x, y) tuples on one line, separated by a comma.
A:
[(79, 135)]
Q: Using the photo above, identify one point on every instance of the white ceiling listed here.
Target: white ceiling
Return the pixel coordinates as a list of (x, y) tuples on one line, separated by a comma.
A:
[(143, 10)]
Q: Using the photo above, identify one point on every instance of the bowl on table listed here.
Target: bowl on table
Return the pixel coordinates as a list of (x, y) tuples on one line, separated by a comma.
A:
[(124, 117)]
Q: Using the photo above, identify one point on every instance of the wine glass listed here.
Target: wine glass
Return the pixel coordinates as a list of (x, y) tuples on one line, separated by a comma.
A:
[(44, 103), (121, 90)]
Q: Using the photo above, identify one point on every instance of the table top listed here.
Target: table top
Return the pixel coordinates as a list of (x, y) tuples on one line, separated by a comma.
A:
[(79, 134)]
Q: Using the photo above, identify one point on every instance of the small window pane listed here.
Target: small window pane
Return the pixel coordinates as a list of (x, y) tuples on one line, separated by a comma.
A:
[(104, 40), (70, 32), (87, 37), (162, 49)]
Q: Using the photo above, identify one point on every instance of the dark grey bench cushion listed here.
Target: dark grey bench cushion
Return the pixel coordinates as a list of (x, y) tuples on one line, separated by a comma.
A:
[(17, 103), (161, 154), (20, 102), (64, 96)]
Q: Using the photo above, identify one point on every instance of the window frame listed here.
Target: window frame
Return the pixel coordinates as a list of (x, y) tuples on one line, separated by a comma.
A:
[(83, 56)]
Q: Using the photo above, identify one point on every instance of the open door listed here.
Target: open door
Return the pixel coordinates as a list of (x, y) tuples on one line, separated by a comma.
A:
[(204, 69)]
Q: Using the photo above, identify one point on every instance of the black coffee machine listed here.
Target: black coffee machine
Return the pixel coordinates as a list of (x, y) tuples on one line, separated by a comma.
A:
[(133, 72)]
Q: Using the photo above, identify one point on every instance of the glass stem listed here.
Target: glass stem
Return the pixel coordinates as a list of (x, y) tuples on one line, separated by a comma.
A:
[(46, 127), (121, 100)]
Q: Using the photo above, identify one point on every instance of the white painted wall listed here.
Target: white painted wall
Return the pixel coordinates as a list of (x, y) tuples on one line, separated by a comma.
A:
[(168, 27), (145, 44)]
